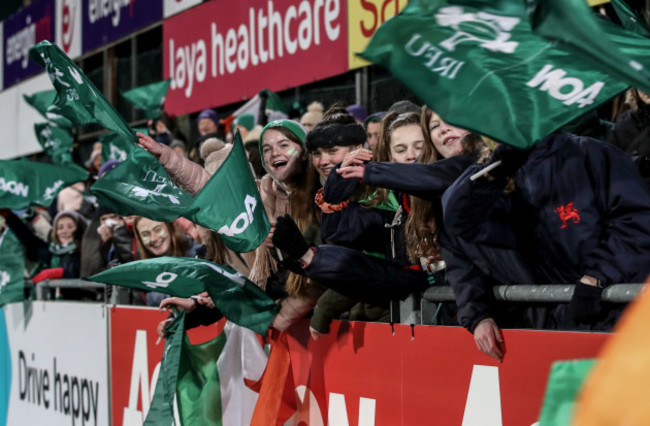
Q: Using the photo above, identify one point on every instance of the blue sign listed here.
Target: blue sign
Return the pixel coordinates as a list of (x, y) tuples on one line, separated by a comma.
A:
[(105, 21), (27, 27)]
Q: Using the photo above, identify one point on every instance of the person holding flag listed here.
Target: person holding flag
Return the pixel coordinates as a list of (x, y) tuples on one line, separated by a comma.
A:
[(290, 185)]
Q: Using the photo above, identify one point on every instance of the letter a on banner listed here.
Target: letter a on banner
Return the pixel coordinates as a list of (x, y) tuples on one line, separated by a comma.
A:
[(483, 406)]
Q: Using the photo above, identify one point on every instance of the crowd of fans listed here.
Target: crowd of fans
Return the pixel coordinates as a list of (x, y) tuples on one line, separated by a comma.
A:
[(368, 208)]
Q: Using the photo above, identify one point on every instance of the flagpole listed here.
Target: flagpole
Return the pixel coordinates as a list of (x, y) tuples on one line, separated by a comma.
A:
[(485, 170)]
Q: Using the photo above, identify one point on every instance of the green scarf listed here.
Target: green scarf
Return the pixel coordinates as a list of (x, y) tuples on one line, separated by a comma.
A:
[(59, 251)]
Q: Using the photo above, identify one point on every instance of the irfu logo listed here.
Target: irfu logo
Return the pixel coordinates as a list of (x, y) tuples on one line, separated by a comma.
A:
[(242, 221), (491, 32)]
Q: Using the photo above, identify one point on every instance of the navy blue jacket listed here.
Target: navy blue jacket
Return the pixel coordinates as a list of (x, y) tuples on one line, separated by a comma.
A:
[(579, 208)]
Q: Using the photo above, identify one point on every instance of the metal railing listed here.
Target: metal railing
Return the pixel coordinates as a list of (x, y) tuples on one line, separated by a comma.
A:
[(416, 307)]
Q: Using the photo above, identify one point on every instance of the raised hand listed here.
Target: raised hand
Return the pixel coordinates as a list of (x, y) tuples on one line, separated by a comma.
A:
[(149, 145), (356, 157), (351, 172)]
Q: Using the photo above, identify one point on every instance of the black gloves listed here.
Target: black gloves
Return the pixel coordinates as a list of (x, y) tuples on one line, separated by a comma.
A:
[(586, 305), (288, 238), (511, 160)]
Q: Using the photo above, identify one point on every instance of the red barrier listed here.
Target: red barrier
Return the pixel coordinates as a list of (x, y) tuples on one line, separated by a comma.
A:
[(362, 373)]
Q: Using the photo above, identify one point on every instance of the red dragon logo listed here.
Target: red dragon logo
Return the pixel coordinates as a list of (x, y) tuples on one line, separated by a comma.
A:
[(567, 212)]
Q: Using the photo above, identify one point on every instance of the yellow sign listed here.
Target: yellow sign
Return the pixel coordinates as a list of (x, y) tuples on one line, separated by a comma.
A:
[(364, 17)]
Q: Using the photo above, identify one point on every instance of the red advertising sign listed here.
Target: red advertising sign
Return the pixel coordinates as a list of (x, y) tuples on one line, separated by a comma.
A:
[(135, 360), (362, 373), (223, 52), (368, 374)]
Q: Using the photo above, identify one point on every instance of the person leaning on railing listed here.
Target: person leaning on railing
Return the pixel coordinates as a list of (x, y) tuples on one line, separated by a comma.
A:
[(578, 213)]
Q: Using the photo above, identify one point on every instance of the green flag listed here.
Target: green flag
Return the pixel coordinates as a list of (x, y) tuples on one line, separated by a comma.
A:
[(237, 214), (43, 102), (12, 269), (161, 411), (23, 183), (114, 147), (141, 186), (149, 98), (564, 383), (480, 66), (56, 142), (77, 97), (599, 43), (198, 388), (238, 299), (273, 102), (629, 19)]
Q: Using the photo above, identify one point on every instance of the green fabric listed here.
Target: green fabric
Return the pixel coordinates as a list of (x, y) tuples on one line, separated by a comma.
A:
[(391, 204), (141, 186), (229, 203), (598, 43), (481, 66), (274, 102), (246, 120), (198, 390), (25, 183), (161, 411), (77, 97), (628, 18), (238, 215), (43, 102), (59, 251), (238, 299), (115, 147), (12, 269), (56, 142), (564, 383), (149, 98)]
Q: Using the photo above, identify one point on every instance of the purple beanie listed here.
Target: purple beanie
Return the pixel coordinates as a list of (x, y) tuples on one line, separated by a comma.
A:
[(211, 114), (358, 112)]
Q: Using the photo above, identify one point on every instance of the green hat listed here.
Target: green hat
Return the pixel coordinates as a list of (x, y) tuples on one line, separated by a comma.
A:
[(246, 120), (293, 126)]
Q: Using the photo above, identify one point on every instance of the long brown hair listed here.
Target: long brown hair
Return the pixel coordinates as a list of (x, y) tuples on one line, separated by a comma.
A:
[(177, 247), (391, 122), (302, 208), (421, 228)]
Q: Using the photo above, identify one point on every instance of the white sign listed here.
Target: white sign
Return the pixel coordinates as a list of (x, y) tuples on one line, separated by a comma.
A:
[(58, 364), (172, 7)]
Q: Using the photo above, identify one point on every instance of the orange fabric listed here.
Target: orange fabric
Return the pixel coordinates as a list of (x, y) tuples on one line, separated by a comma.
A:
[(618, 389), (227, 122), (274, 407)]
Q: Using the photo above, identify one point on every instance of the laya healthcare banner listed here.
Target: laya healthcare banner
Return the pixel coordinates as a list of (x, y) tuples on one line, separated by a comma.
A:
[(59, 354), (27, 27), (107, 21), (251, 46)]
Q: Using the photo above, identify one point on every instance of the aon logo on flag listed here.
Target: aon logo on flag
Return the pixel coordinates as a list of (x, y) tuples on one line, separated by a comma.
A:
[(569, 90), (241, 222)]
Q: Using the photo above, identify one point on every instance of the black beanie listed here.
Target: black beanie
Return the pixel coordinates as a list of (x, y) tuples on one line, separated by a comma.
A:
[(335, 135)]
